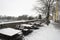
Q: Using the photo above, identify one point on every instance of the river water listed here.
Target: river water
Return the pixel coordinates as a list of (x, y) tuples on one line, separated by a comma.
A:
[(50, 32)]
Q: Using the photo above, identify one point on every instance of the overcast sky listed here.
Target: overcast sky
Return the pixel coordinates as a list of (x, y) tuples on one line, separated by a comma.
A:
[(17, 7)]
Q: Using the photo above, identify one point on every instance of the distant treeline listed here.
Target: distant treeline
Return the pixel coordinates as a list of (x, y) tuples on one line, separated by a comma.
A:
[(23, 17)]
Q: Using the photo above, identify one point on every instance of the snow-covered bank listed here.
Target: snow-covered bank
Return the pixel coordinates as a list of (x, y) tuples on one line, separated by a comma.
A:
[(45, 33)]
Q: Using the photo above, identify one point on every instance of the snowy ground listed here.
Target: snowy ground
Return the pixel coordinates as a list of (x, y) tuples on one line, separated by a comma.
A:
[(45, 33)]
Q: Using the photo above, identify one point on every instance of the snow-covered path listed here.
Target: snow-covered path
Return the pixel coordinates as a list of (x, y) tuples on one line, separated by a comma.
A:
[(45, 33)]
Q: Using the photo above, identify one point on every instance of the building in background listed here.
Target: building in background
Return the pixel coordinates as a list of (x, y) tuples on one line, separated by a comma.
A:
[(59, 10)]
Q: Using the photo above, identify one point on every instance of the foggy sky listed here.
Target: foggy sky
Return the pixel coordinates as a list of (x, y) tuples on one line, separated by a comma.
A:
[(17, 7)]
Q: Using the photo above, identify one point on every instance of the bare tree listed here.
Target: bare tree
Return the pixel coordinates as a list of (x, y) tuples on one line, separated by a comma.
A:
[(45, 7)]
